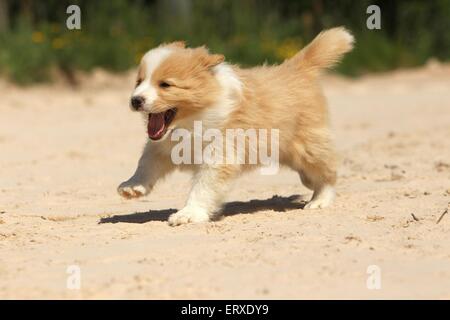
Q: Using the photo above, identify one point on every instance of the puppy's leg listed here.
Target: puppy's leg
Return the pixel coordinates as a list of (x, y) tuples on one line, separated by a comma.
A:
[(323, 196), (152, 166), (305, 180), (205, 198), (317, 170), (321, 178)]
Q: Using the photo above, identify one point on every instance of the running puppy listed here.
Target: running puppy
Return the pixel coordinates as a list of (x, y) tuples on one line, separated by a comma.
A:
[(177, 85)]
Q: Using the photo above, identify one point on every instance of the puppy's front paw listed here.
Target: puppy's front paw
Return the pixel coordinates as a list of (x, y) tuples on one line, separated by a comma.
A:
[(130, 189), (188, 215)]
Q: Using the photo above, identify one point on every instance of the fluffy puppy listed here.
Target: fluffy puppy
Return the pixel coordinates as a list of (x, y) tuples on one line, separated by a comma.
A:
[(177, 86)]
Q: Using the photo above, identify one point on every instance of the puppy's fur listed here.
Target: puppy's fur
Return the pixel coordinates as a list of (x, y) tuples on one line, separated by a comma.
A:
[(201, 86)]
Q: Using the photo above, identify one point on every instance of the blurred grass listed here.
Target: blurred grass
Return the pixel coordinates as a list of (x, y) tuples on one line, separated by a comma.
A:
[(116, 33)]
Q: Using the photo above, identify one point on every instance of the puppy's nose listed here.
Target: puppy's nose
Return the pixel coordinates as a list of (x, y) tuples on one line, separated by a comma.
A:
[(137, 102)]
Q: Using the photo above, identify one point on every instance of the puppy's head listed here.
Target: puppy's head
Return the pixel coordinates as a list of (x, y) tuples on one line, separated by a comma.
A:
[(173, 84)]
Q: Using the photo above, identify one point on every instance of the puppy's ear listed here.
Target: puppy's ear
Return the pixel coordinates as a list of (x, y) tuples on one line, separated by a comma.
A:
[(206, 59), (177, 44), (212, 60)]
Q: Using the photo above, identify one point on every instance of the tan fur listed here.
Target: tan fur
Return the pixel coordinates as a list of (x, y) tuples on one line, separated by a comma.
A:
[(286, 97)]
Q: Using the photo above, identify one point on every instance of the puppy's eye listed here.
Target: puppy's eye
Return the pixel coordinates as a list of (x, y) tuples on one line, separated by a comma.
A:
[(138, 82), (164, 84)]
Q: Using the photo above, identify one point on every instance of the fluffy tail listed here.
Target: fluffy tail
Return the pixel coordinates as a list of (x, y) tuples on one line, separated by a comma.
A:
[(325, 50)]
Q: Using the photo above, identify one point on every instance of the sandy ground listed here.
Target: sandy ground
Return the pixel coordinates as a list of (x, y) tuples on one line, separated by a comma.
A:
[(64, 151)]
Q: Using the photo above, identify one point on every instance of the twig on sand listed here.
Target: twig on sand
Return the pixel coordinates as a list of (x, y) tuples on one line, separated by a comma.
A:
[(442, 215), (414, 217)]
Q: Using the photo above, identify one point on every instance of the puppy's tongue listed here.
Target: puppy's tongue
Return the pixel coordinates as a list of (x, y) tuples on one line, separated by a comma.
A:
[(156, 125)]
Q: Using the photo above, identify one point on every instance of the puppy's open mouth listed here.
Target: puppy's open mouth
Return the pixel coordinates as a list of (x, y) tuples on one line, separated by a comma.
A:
[(159, 122)]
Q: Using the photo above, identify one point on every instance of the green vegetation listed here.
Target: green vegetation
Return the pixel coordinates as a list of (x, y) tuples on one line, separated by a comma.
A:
[(114, 34)]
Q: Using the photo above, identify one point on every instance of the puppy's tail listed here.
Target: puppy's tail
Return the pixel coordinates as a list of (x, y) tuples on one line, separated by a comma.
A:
[(324, 51)]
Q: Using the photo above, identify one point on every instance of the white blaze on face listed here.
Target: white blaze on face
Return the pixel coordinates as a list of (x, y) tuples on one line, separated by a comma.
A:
[(152, 60)]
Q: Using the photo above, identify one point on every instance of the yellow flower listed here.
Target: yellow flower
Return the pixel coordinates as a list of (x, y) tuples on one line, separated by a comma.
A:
[(54, 27), (268, 44), (37, 37), (288, 48), (58, 43)]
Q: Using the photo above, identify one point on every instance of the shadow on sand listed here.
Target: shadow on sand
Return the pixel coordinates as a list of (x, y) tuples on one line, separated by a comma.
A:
[(276, 203)]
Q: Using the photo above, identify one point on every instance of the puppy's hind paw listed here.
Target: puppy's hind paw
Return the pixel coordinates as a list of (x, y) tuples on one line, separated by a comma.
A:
[(188, 215), (131, 190), (316, 204), (321, 199)]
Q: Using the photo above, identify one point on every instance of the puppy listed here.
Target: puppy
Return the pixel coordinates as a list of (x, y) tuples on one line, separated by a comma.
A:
[(177, 86)]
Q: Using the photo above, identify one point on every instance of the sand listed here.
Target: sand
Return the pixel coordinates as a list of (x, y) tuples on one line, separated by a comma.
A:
[(65, 150)]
